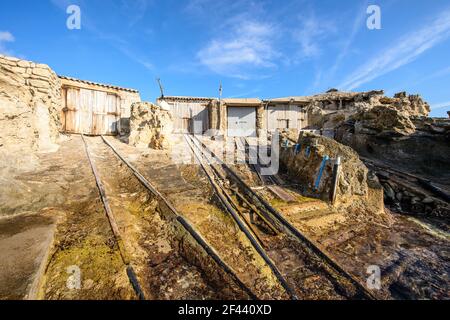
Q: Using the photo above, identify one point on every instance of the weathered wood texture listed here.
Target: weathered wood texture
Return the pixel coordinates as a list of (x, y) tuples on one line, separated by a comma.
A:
[(285, 117), (90, 111), (190, 117)]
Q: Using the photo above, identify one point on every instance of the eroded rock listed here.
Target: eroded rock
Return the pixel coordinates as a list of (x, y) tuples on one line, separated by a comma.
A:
[(150, 126), (356, 187), (329, 110), (30, 103), (384, 121)]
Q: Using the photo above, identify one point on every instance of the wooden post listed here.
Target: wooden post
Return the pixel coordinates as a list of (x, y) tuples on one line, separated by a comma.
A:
[(335, 180)]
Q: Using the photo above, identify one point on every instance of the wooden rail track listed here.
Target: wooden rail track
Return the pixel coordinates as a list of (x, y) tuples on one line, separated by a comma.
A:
[(114, 228), (175, 217), (228, 204), (345, 284)]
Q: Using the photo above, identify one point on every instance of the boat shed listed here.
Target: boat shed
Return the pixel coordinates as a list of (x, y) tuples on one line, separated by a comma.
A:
[(190, 114), (95, 109)]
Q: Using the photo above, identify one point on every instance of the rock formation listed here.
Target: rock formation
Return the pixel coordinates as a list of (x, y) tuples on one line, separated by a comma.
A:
[(30, 103), (407, 142), (150, 126), (355, 186), (329, 110), (383, 120)]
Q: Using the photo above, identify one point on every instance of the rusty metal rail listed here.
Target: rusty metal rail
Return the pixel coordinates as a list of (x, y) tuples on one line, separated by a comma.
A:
[(265, 179), (277, 219), (184, 224), (227, 203), (115, 229)]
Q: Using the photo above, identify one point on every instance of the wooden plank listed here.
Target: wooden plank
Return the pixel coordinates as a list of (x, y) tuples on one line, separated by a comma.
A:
[(64, 107), (282, 194), (185, 113), (85, 112), (72, 115), (113, 114)]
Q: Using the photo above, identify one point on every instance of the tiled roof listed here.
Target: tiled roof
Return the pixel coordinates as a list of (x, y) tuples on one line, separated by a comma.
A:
[(185, 98), (98, 84)]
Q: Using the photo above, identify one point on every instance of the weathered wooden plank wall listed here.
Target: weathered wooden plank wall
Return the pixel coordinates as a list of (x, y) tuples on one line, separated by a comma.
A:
[(285, 117), (186, 113), (90, 111)]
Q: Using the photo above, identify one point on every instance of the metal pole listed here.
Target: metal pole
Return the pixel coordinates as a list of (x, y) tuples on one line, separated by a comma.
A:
[(161, 88)]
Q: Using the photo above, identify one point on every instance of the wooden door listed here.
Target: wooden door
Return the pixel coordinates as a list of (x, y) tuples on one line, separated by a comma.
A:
[(99, 113), (241, 121), (190, 117), (85, 111), (90, 112), (71, 119), (113, 114)]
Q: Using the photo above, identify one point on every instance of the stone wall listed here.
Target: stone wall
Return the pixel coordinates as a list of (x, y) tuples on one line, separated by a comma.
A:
[(30, 104)]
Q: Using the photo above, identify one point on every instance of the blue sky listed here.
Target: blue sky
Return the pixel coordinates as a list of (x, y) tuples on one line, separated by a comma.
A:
[(263, 49)]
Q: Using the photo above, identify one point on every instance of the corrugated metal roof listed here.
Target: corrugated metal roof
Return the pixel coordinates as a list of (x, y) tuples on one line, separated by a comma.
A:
[(98, 84)]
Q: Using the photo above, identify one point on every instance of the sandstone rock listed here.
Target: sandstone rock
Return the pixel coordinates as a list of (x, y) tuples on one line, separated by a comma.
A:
[(29, 109), (332, 109), (42, 66), (41, 72), (355, 183), (14, 59), (383, 120), (150, 126), (24, 64), (18, 69), (38, 83)]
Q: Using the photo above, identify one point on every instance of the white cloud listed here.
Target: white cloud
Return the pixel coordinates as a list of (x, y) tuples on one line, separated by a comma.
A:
[(5, 36), (360, 16), (441, 105), (404, 51), (119, 43), (63, 4), (311, 33), (249, 45), (135, 10)]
